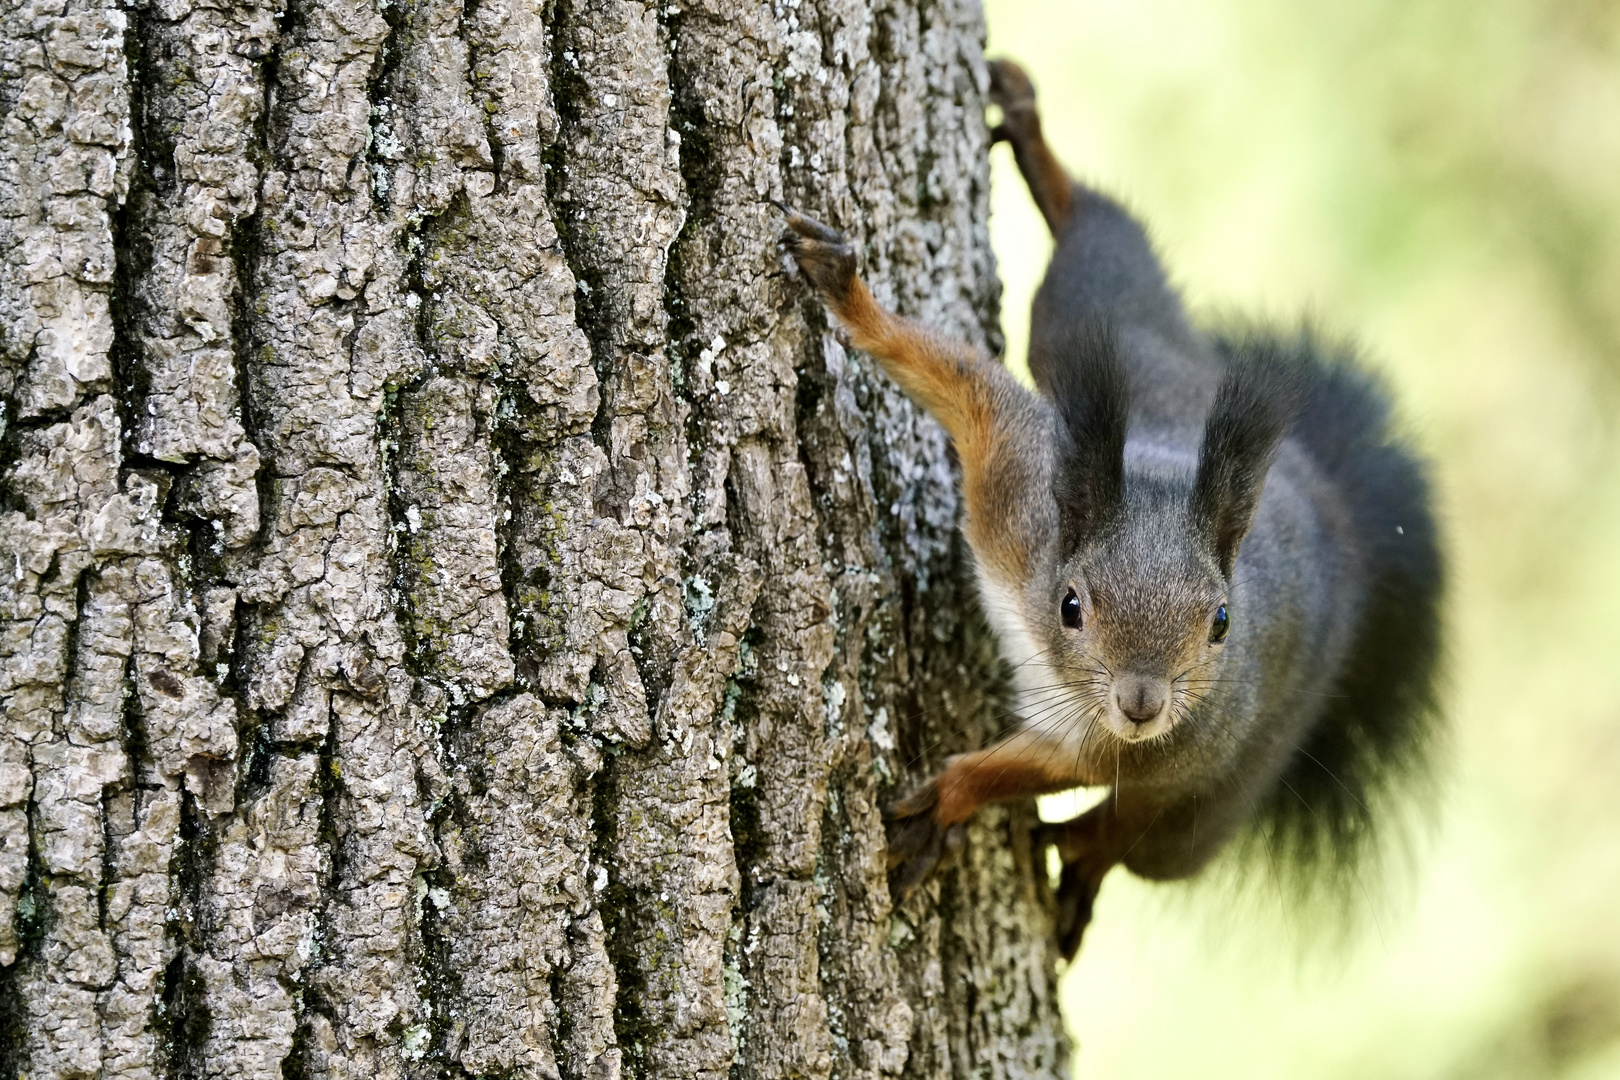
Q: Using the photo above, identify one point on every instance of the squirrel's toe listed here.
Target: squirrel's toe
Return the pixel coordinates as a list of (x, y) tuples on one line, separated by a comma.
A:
[(909, 837), (803, 225), (829, 265), (920, 801), (917, 843), (912, 869)]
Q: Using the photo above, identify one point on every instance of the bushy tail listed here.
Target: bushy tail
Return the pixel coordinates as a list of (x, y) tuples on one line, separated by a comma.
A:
[(1370, 751)]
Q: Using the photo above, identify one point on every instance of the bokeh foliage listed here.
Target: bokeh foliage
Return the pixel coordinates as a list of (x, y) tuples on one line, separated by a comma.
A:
[(1441, 180)]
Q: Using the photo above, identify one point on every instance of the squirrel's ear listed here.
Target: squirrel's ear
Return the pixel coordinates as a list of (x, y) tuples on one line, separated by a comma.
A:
[(1256, 402), (1092, 397)]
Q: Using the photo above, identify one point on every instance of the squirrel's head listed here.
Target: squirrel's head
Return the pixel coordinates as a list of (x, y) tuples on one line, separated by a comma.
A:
[(1139, 613)]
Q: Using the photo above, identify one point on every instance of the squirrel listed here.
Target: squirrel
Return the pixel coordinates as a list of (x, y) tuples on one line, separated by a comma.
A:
[(1209, 562)]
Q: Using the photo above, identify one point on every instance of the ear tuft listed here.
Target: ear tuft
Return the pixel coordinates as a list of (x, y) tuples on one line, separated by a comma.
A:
[(1257, 401), (1092, 397)]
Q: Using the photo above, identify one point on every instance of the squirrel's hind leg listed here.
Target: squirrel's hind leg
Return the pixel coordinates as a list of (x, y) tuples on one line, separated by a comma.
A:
[(1049, 185), (948, 378), (1089, 845), (1002, 438), (1077, 891)]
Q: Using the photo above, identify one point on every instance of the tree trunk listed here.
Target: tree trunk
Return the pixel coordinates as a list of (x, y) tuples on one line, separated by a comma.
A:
[(462, 609)]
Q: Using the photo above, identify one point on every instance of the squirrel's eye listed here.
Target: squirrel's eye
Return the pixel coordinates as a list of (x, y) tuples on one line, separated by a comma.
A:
[(1071, 610), (1218, 628)]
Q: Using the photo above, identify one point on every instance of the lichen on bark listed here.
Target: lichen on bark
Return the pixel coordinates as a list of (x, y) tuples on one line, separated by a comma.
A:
[(463, 610)]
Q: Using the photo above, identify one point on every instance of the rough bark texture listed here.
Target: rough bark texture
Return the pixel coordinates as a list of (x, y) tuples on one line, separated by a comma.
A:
[(462, 611)]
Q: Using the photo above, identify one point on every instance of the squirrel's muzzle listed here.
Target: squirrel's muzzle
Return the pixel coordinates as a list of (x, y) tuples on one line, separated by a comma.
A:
[(1141, 698)]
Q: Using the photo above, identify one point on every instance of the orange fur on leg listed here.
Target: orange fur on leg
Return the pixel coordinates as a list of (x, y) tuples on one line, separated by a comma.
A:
[(990, 418), (1022, 765)]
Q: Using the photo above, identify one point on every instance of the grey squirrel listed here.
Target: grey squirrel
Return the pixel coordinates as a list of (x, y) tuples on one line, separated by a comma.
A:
[(1210, 564)]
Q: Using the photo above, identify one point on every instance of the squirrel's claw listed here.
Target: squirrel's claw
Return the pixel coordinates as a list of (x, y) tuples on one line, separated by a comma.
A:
[(918, 802), (909, 837), (917, 843), (820, 252), (807, 227), (926, 846), (909, 825)]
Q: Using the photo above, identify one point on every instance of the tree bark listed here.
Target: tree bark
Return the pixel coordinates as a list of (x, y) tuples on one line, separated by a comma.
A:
[(462, 609)]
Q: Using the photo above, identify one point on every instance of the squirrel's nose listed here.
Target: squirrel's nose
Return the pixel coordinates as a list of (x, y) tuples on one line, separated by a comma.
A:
[(1140, 697)]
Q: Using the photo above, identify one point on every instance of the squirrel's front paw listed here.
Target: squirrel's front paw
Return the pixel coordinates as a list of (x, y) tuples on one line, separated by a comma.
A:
[(917, 843), (821, 253)]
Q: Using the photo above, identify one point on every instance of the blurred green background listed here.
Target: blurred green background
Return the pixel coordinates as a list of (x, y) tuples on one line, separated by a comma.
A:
[(1442, 180)]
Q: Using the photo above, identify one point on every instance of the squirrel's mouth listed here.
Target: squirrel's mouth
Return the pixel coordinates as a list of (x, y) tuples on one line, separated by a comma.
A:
[(1131, 729)]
